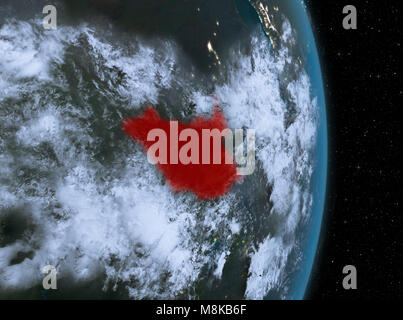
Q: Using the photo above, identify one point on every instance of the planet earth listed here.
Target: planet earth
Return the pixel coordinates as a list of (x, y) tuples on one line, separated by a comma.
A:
[(78, 194)]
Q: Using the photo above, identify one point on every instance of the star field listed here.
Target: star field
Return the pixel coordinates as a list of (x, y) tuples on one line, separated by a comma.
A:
[(362, 79)]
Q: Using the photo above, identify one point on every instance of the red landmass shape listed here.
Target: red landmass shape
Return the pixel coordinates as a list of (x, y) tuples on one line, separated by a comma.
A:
[(207, 181)]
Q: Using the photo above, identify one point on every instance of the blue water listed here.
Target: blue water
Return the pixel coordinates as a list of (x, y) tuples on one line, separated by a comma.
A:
[(298, 17), (300, 21)]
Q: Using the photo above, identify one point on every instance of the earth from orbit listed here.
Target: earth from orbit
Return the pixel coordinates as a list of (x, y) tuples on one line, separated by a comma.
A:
[(78, 194)]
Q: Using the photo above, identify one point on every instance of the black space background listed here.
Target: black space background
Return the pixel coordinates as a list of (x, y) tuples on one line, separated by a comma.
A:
[(363, 87)]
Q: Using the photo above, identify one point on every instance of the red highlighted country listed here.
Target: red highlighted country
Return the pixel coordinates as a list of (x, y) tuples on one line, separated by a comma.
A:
[(210, 174)]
